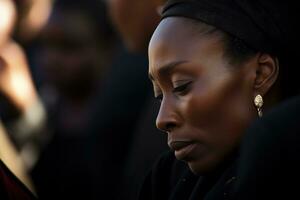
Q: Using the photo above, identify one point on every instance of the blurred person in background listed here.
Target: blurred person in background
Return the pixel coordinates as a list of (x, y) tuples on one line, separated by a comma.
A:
[(72, 55), (135, 21), (120, 100), (75, 50), (128, 157), (14, 179), (22, 110)]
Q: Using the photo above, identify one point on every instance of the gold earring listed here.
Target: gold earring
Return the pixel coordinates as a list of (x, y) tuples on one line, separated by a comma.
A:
[(259, 102)]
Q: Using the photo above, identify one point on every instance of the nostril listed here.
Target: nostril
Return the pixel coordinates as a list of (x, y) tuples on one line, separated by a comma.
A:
[(169, 126), (166, 125)]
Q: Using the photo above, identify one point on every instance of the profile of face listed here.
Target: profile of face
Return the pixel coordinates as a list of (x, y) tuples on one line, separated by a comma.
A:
[(206, 103), (135, 20)]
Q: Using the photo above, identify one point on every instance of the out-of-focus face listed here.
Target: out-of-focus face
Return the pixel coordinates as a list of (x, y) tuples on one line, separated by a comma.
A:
[(135, 20), (7, 18), (71, 56), (205, 103)]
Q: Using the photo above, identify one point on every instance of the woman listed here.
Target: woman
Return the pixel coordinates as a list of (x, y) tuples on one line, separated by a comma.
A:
[(214, 66)]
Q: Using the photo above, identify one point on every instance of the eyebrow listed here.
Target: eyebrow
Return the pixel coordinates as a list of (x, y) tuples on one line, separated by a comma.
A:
[(168, 68)]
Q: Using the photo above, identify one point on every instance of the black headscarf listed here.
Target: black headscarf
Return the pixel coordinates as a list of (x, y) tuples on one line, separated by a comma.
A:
[(262, 24), (265, 25)]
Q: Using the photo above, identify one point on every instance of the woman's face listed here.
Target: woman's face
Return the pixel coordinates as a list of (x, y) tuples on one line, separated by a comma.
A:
[(205, 103)]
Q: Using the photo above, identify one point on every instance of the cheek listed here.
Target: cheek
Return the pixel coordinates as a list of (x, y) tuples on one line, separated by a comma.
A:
[(205, 103), (221, 111)]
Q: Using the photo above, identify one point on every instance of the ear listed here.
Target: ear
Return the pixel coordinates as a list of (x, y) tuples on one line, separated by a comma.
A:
[(266, 73)]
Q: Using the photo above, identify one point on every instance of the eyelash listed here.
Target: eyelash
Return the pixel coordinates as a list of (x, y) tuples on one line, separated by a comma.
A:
[(181, 90)]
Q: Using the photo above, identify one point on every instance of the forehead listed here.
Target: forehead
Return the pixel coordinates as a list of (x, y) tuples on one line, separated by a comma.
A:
[(178, 39), (170, 30)]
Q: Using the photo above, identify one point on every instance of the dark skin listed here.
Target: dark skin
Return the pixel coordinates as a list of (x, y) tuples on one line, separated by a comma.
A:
[(206, 101), (135, 20)]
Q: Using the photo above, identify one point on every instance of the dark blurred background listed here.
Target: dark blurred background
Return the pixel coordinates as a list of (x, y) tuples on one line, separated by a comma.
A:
[(90, 132)]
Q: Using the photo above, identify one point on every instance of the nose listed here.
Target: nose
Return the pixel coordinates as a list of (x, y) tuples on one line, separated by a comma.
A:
[(167, 118)]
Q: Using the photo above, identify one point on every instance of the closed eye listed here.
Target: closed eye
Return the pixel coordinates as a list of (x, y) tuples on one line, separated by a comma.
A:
[(182, 89)]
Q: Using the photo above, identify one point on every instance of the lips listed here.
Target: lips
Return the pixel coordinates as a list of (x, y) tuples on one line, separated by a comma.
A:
[(177, 145), (183, 149)]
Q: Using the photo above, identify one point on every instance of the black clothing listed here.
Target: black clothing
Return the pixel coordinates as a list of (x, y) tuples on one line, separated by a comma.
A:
[(270, 162), (262, 24), (270, 149), (110, 157), (171, 179), (268, 26), (118, 127), (267, 166), (146, 146)]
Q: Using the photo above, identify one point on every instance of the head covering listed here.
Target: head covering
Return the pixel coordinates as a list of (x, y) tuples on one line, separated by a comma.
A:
[(262, 24), (265, 25)]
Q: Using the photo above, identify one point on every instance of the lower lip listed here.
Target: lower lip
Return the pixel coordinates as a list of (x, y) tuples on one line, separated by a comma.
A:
[(186, 152)]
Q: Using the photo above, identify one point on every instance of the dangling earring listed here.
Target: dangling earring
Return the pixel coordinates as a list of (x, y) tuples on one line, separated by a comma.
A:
[(259, 102)]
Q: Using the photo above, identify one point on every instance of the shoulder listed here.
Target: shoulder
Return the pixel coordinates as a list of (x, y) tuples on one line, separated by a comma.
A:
[(269, 154), (278, 127)]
